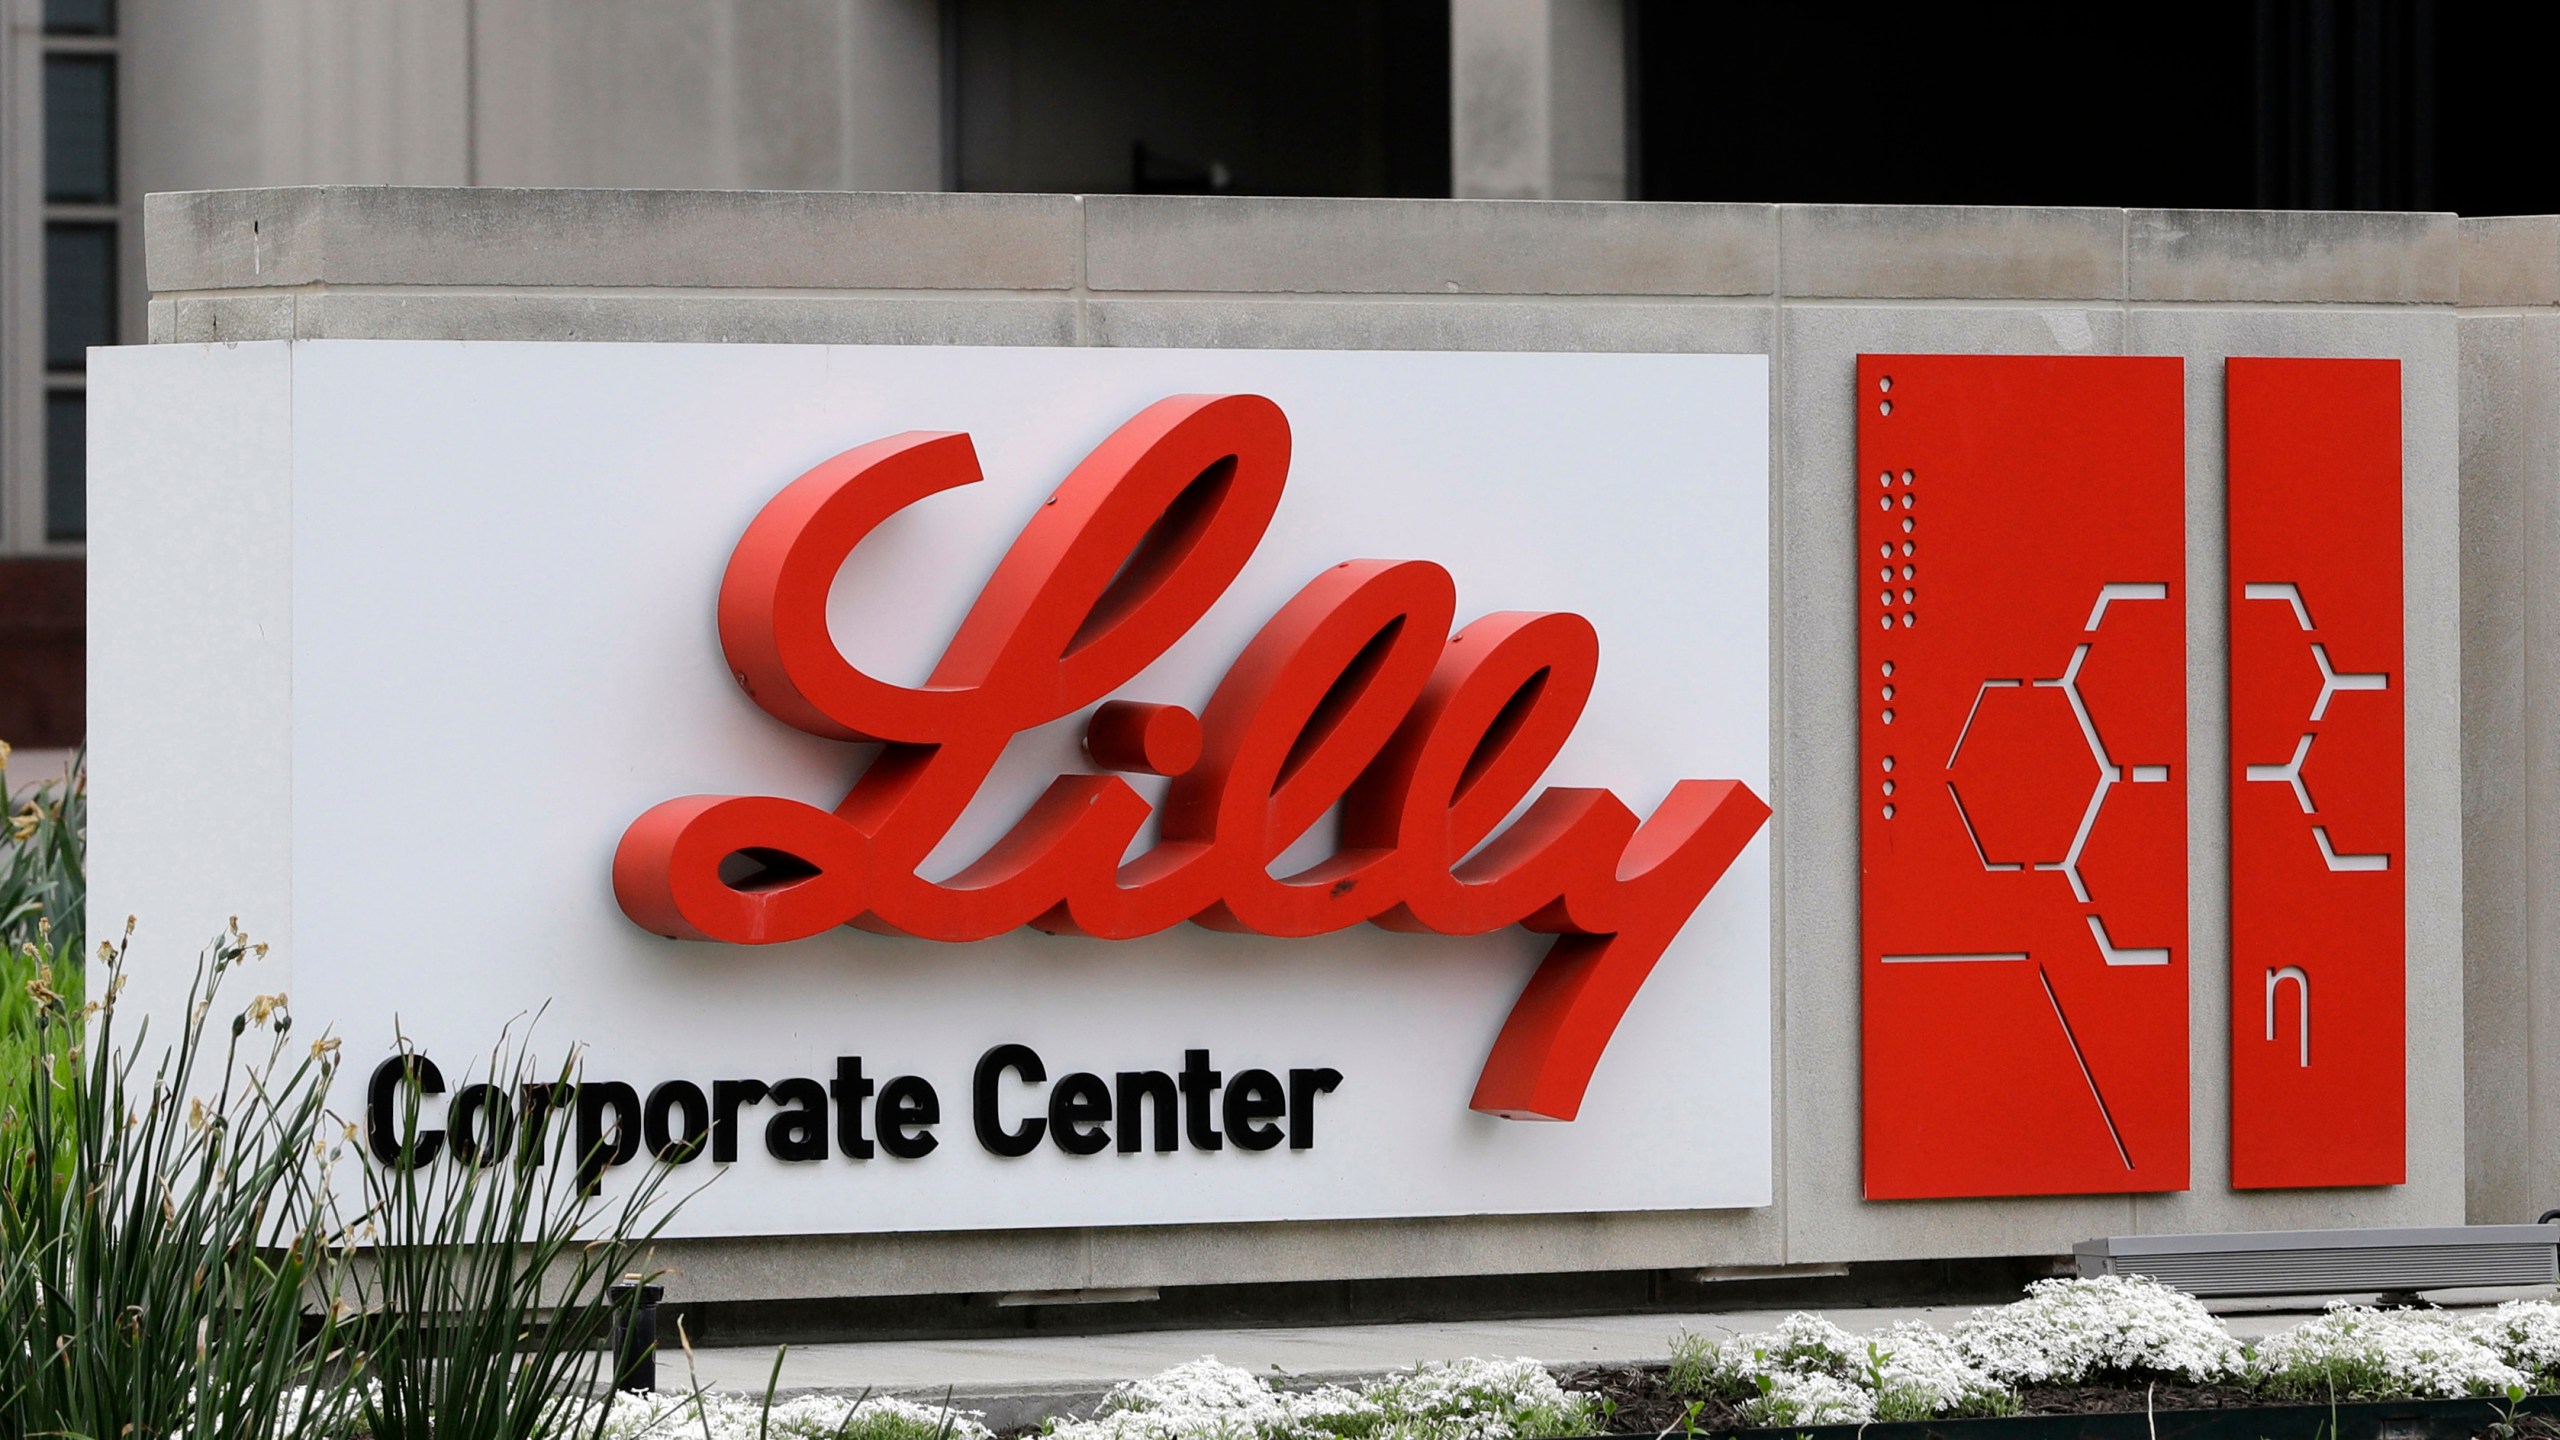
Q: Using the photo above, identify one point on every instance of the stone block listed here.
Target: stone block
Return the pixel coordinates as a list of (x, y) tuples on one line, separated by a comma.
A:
[(2511, 260), (1711, 326), (1936, 252), (806, 319), (1427, 247), (819, 1267), (2293, 255), (1439, 1246), (2507, 460), (203, 319), (401, 235)]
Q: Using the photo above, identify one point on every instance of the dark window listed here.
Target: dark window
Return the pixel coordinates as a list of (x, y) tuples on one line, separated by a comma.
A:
[(79, 292), (66, 465), (80, 128), (2345, 104), (1348, 97), (80, 17)]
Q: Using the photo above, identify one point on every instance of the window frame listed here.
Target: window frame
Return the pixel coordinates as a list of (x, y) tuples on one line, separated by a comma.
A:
[(27, 385)]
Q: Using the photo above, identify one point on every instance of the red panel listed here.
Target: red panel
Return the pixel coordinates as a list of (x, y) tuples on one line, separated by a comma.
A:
[(2022, 792), (2318, 900)]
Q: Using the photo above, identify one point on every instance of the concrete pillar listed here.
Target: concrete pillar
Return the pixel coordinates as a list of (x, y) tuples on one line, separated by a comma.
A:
[(737, 94), (1538, 99), (2510, 332)]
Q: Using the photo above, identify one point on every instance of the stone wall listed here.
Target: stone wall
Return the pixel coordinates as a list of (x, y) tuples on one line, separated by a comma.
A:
[(1811, 286)]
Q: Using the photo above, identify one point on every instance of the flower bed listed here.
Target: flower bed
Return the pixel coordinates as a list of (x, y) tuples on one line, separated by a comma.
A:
[(2080, 1347)]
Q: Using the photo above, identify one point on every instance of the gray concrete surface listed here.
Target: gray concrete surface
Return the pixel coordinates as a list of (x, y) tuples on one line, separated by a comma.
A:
[(1811, 286)]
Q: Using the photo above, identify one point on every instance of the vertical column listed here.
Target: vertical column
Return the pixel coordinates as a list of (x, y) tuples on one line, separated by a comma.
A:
[(2319, 920), (2022, 820), (1538, 99)]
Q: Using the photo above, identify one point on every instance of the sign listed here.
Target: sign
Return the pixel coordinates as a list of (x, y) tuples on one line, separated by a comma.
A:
[(2022, 774), (479, 618), (2319, 910), (2023, 815)]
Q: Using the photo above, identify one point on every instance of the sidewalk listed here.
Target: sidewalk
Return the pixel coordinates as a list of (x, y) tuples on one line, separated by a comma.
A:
[(1018, 1381)]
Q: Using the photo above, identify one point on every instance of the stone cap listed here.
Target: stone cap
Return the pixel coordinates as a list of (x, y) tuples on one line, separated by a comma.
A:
[(714, 239), (2510, 260), (225, 240)]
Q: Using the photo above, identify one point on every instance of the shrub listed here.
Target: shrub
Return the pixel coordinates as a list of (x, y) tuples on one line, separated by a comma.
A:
[(1919, 1373), (156, 1251), (1911, 1372), (2526, 1335), (1472, 1399), (174, 1261), (486, 1302), (42, 890), (1198, 1400), (2068, 1331), (2355, 1353), (1486, 1399), (42, 880), (1733, 1369), (1790, 1398), (725, 1417)]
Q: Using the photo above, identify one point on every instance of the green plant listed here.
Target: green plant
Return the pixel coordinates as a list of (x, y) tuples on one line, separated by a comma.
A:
[(42, 890), (161, 1231), (42, 879), (1694, 1370), (487, 1289)]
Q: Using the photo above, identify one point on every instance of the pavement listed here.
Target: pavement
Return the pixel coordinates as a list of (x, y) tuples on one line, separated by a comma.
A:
[(1019, 1380)]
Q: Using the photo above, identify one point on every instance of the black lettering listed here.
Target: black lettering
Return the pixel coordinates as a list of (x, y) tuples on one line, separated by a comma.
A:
[(726, 1097), (1078, 1101), (1154, 1086), (1253, 1098), (908, 1103), (1304, 1087), (1199, 1082), (667, 1143), (481, 1125), (798, 1133), (386, 1126), (596, 1151), (850, 1089), (982, 1101), (541, 1097)]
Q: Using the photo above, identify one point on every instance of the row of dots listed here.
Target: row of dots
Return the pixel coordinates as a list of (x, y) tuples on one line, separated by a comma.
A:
[(1892, 497)]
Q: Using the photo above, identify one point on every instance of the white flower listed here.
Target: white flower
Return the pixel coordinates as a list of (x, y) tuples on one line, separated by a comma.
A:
[(1198, 1400), (2525, 1333), (1485, 1399), (2070, 1330), (1911, 1372), (2353, 1352), (1919, 1373), (1801, 1345), (1788, 1398), (741, 1417)]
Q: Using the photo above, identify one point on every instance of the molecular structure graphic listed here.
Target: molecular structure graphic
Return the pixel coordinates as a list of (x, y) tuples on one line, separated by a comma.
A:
[(2108, 775)]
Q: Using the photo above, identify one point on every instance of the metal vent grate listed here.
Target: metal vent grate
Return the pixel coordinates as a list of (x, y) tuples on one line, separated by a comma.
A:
[(2298, 1262)]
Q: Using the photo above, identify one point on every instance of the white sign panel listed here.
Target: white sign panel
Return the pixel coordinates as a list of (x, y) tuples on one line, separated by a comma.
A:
[(392, 642)]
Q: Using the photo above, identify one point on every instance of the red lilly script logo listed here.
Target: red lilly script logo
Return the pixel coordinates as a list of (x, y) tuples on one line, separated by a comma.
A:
[(1355, 694)]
